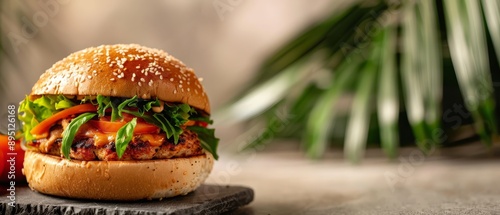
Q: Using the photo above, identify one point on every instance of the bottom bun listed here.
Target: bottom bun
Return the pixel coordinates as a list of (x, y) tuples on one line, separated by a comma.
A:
[(115, 180)]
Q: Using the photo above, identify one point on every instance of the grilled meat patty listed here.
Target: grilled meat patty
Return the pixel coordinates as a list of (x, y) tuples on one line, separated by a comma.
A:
[(142, 146)]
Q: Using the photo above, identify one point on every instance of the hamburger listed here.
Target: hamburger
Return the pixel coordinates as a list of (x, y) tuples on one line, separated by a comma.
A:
[(117, 122)]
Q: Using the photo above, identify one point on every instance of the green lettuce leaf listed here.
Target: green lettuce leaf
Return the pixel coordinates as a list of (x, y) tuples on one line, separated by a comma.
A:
[(31, 113), (207, 139), (70, 132), (150, 104), (132, 102), (124, 136), (62, 102), (103, 103), (27, 117), (169, 120), (201, 118)]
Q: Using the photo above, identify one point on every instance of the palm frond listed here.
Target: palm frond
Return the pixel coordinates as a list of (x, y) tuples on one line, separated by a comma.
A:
[(492, 14), (260, 99), (321, 118), (470, 59), (357, 129), (421, 71), (387, 97), (323, 37), (391, 56)]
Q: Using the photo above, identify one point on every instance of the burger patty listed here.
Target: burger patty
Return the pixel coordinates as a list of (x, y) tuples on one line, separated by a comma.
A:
[(83, 148)]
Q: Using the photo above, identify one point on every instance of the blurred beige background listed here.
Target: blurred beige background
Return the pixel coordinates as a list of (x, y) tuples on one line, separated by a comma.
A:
[(223, 40)]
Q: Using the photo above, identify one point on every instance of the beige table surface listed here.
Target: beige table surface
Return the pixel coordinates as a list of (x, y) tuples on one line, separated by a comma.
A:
[(463, 180)]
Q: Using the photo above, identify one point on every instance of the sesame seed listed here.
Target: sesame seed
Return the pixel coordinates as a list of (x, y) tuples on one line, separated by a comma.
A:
[(112, 79), (140, 84), (172, 79), (161, 77), (180, 85), (138, 67), (142, 79), (175, 91), (150, 83)]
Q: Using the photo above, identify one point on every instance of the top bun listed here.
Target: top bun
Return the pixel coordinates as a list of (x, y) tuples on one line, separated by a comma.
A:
[(123, 71)]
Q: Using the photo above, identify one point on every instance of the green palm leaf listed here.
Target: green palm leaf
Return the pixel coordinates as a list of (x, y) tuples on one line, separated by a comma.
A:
[(387, 97), (470, 59), (492, 15), (321, 118), (357, 128), (389, 60), (421, 71)]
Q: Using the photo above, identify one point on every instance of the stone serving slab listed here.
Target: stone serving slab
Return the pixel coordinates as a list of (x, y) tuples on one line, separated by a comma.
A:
[(207, 199)]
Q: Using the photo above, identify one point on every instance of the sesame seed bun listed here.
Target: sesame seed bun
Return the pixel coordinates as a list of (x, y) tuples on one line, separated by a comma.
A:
[(115, 180), (123, 71)]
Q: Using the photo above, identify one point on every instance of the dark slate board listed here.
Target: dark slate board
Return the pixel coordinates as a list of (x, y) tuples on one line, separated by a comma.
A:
[(207, 199)]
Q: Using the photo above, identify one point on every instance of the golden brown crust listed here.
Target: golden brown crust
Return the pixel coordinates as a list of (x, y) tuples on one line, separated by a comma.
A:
[(115, 180), (124, 71)]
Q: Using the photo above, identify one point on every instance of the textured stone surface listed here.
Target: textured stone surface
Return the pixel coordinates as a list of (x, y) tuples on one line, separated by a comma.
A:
[(461, 180), (207, 199)]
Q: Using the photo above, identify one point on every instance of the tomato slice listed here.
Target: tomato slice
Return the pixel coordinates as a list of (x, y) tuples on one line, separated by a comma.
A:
[(44, 125), (111, 127), (190, 123), (7, 160), (202, 124), (196, 123)]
